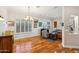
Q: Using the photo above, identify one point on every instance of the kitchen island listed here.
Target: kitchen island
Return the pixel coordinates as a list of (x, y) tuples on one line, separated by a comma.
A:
[(6, 44)]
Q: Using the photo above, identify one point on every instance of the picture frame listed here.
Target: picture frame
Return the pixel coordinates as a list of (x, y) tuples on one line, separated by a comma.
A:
[(35, 23), (10, 23), (40, 24)]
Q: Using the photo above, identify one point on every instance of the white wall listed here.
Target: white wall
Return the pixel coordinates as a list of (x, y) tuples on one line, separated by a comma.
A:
[(3, 25), (71, 40), (57, 17)]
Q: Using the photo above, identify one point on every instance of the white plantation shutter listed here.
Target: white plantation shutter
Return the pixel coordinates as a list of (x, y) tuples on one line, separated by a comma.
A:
[(23, 26)]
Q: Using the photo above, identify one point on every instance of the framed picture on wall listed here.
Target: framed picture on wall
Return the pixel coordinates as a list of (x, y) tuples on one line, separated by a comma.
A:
[(40, 24), (55, 24), (10, 23), (35, 23)]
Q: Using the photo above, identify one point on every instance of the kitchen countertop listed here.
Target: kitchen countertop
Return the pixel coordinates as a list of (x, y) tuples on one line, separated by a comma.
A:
[(5, 35)]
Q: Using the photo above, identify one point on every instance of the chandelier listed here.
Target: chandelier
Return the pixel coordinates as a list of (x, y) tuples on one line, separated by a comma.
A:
[(28, 17)]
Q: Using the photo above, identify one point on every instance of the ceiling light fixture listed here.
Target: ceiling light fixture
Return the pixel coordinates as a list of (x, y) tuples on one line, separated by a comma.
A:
[(28, 17), (1, 18)]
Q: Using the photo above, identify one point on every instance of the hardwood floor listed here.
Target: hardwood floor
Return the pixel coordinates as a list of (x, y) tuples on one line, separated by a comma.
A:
[(39, 45)]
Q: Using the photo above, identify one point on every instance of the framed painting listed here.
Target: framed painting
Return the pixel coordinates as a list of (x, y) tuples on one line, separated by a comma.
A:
[(10, 23), (35, 23), (40, 24)]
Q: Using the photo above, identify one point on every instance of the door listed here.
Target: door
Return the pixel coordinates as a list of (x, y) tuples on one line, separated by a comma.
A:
[(71, 27)]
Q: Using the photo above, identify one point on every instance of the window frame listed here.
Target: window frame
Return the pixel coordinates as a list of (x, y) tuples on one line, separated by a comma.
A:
[(24, 26)]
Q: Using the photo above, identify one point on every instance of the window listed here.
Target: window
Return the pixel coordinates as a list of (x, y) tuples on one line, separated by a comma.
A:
[(30, 26), (23, 26), (26, 26), (17, 26)]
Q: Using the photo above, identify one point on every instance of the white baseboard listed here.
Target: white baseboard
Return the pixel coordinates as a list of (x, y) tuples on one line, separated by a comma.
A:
[(25, 37), (69, 46)]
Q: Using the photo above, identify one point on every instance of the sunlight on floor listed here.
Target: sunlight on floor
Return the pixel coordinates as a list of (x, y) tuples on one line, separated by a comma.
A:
[(24, 47)]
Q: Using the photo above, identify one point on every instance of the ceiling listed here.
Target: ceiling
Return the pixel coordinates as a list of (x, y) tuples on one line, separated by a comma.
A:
[(36, 11)]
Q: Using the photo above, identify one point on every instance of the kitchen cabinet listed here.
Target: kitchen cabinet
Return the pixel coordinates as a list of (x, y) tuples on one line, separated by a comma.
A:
[(6, 44)]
